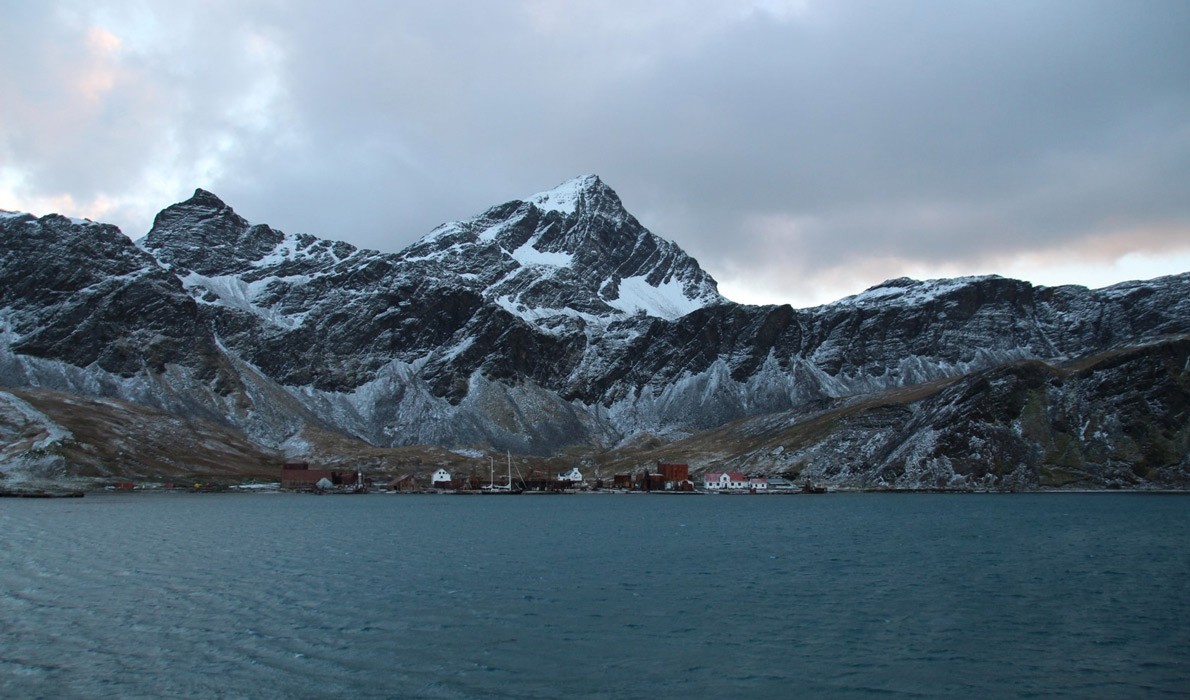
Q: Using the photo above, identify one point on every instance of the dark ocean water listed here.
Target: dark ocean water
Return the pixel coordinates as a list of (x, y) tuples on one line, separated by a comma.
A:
[(595, 596)]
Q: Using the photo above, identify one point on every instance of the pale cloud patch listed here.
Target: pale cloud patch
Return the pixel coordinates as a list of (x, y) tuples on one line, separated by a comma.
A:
[(785, 10), (770, 263), (72, 123), (15, 197), (260, 104), (99, 74), (123, 111), (805, 286), (1106, 258)]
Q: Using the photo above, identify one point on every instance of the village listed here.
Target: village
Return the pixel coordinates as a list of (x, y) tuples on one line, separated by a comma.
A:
[(663, 478)]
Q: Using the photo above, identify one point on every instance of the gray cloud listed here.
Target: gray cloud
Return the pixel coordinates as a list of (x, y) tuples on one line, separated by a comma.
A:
[(797, 148)]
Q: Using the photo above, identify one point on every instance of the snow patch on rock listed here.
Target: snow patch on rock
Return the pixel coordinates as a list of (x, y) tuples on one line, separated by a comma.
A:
[(667, 300), (564, 198)]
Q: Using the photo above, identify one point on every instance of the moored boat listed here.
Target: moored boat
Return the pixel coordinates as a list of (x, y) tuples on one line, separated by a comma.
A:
[(492, 489), (809, 487)]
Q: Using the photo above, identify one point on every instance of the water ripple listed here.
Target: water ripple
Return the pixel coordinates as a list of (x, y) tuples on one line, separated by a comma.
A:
[(180, 595)]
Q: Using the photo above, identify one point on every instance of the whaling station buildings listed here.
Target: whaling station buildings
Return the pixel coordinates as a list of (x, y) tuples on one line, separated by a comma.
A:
[(668, 476)]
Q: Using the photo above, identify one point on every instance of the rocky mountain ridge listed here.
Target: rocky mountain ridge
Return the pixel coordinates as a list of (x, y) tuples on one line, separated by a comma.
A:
[(1115, 420), (541, 324)]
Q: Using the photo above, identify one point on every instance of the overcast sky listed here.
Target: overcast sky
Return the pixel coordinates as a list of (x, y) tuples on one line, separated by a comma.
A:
[(800, 150)]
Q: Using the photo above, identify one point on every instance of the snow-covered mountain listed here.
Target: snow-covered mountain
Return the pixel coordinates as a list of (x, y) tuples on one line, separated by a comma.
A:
[(572, 252), (551, 321)]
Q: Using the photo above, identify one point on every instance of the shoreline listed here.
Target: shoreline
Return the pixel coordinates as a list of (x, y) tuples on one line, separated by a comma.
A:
[(47, 493)]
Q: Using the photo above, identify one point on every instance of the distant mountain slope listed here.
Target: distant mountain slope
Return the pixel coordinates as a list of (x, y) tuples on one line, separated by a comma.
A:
[(1117, 420), (544, 323), (49, 439)]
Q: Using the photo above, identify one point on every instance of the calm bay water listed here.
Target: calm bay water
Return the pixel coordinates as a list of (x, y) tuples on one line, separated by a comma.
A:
[(595, 596)]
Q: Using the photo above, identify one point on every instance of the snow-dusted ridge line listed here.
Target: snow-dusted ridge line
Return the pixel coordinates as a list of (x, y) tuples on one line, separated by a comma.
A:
[(517, 230), (904, 290), (565, 197), (77, 221)]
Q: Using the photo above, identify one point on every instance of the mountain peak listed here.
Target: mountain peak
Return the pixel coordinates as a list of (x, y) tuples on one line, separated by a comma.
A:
[(205, 235), (578, 192), (204, 198), (201, 205), (571, 250)]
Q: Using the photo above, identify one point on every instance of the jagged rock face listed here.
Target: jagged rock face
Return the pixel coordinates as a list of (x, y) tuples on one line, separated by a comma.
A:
[(524, 292), (1118, 422), (305, 312), (571, 252), (543, 322), (82, 293), (206, 236)]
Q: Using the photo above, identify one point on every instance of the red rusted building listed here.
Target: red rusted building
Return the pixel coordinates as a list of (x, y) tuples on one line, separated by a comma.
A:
[(676, 476), (673, 471), (299, 475), (649, 482)]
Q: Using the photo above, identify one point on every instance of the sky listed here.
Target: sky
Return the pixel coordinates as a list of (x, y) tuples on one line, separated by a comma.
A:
[(801, 150)]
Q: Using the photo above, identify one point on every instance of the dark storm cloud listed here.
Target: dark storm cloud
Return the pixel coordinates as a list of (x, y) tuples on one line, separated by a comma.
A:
[(937, 135), (793, 147)]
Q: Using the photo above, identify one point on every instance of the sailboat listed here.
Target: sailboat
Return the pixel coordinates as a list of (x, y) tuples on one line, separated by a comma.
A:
[(492, 488)]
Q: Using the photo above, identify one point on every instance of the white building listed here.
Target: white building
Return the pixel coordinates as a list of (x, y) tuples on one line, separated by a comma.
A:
[(573, 475), (440, 477), (722, 481)]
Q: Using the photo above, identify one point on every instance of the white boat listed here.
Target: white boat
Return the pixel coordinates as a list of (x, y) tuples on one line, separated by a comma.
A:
[(492, 488)]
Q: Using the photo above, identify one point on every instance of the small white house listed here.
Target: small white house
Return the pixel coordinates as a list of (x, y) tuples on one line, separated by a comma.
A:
[(573, 475), (440, 477), (758, 483), (722, 481)]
